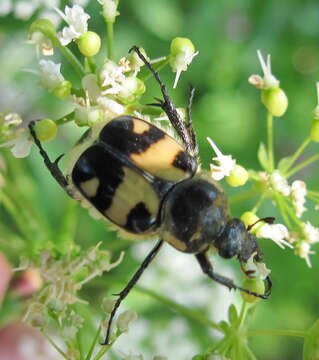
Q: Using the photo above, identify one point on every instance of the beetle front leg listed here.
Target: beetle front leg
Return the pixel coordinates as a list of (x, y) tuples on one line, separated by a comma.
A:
[(208, 270)]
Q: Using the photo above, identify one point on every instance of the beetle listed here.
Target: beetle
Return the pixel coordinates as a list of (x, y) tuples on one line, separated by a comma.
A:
[(147, 183)]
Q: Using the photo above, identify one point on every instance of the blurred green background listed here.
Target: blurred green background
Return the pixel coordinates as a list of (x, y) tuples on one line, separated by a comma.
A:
[(226, 108)]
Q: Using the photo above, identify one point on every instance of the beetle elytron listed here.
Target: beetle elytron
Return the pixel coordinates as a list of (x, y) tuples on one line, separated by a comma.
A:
[(146, 183)]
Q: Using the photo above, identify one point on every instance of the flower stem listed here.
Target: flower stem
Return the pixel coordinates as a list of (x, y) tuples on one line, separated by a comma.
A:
[(298, 152), (110, 36), (270, 141), (65, 119), (72, 59), (293, 333), (61, 352), (303, 164), (259, 202)]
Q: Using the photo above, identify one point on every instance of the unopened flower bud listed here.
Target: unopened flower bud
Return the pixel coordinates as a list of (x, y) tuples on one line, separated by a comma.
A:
[(87, 116), (238, 176), (56, 305), (45, 129), (89, 43), (125, 319), (108, 304), (249, 218), (311, 344), (275, 101), (38, 321), (314, 132), (63, 90), (182, 54), (45, 27), (256, 285)]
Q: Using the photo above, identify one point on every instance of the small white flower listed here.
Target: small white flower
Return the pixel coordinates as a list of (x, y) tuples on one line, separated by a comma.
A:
[(50, 75), (124, 319), (255, 269), (25, 9), (298, 195), (276, 232), (90, 85), (110, 105), (303, 250), (43, 44), (181, 62), (311, 233), (109, 9), (268, 81), (20, 140), (112, 77), (225, 163), (77, 20), (279, 183), (5, 7)]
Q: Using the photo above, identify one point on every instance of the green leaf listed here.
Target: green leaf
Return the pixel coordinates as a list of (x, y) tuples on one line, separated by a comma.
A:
[(311, 344), (263, 157), (284, 164)]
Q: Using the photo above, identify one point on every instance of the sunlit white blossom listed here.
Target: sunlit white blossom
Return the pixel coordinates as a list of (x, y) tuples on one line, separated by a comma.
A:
[(5, 7), (298, 195), (303, 250), (24, 9), (112, 77), (279, 183), (90, 85), (181, 62), (110, 106), (77, 20), (311, 233), (269, 81), (255, 269), (275, 232), (109, 9), (225, 163), (50, 74)]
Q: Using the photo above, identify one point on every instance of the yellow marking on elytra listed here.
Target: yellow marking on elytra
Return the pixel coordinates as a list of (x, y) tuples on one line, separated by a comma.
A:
[(90, 187), (140, 126), (172, 240), (132, 190), (158, 159)]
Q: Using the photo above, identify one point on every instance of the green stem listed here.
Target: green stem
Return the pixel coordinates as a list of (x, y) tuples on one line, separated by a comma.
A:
[(293, 333), (282, 209), (259, 202), (110, 35), (94, 342), (242, 315), (71, 58), (61, 352), (296, 155), (303, 164), (65, 119), (157, 67), (270, 141)]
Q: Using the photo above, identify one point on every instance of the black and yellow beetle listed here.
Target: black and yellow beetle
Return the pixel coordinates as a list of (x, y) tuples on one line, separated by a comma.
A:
[(149, 184)]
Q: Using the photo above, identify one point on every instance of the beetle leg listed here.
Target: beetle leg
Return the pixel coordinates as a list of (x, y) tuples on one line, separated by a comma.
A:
[(169, 107), (208, 270), (52, 166), (189, 121), (122, 295)]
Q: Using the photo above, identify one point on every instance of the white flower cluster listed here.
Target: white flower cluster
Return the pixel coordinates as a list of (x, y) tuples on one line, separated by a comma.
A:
[(24, 9), (225, 163)]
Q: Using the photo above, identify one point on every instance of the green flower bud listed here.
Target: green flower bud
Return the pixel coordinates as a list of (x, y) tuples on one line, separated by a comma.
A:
[(63, 90), (180, 44), (314, 131), (87, 116), (256, 285), (38, 321), (45, 129), (311, 344), (275, 100), (108, 304), (45, 27), (238, 176), (89, 43), (249, 218)]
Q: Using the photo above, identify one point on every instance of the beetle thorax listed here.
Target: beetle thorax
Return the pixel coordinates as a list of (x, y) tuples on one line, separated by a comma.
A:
[(194, 214)]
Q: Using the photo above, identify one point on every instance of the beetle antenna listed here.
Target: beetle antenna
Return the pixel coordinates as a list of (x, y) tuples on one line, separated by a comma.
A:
[(268, 220)]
